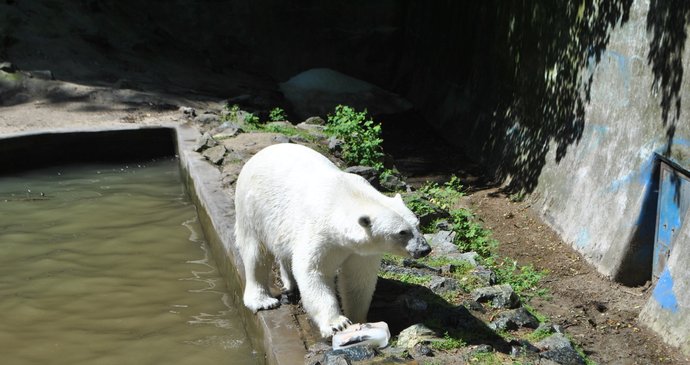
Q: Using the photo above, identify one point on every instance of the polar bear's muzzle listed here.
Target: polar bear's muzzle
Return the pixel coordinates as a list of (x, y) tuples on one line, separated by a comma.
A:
[(417, 247)]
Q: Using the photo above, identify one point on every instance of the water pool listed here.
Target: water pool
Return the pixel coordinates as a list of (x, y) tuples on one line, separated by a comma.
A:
[(106, 264)]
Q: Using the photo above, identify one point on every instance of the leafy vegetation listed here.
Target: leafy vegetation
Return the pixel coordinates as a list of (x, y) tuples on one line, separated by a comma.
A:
[(360, 135), (277, 114), (443, 196), (524, 279), (470, 235), (447, 343), (234, 114), (406, 278)]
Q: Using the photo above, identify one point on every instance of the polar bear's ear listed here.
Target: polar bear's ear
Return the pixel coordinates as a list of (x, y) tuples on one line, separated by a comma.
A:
[(364, 221), (399, 197)]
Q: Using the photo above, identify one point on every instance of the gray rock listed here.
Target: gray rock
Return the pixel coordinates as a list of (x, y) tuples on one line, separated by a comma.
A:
[(339, 359), (215, 154), (298, 139), (523, 348), (514, 319), (8, 67), (355, 353), (469, 257), (442, 243), (421, 349), (440, 284), (203, 142), (188, 112), (485, 276), (558, 348), (207, 118), (227, 130), (415, 334), (367, 172), (314, 121), (310, 127), (335, 144), (500, 296), (393, 183), (474, 306), (281, 139)]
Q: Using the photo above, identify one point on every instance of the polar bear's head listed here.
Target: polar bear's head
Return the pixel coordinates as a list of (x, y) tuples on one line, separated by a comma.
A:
[(393, 228)]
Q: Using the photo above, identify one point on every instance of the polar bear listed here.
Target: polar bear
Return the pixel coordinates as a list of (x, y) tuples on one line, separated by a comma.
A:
[(295, 206)]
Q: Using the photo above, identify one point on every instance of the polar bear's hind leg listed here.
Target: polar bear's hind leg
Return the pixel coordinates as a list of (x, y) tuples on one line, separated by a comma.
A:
[(257, 271)]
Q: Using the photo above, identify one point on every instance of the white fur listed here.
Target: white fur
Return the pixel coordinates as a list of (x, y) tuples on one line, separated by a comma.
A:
[(294, 205)]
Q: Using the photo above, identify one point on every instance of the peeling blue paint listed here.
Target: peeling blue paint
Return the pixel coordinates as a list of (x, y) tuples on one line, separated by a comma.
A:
[(594, 135), (583, 238), (663, 292), (643, 176)]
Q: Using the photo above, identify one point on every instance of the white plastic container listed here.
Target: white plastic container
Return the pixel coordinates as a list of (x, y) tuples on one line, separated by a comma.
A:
[(363, 334)]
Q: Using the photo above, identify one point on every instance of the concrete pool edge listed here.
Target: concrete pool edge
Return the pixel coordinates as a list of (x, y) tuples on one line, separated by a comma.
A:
[(278, 327)]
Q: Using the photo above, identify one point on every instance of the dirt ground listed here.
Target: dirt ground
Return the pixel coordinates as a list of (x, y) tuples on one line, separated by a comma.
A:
[(600, 315)]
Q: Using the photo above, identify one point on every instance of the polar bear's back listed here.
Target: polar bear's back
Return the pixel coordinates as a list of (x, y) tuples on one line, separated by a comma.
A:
[(286, 167), (284, 188), (289, 158)]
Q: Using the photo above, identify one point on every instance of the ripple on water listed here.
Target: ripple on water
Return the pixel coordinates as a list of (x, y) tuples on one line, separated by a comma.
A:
[(107, 265)]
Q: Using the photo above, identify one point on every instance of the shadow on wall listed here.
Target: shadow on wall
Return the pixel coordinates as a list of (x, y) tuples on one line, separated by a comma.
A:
[(509, 81), (552, 48), (667, 25)]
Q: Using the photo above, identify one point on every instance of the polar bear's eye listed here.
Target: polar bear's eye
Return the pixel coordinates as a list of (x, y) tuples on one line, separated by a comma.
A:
[(404, 232)]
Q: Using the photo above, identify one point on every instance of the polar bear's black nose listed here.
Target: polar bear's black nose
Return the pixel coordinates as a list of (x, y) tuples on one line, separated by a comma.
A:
[(423, 252), (420, 249)]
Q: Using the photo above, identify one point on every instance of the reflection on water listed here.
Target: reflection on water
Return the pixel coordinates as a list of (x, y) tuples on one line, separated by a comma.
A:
[(105, 264)]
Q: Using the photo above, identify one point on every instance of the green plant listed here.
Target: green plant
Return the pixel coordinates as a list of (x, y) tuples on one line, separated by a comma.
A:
[(523, 279), (406, 278), (390, 259), (539, 316), (277, 114), (447, 343), (360, 135), (420, 205), (485, 358), (538, 335), (232, 113), (444, 196), (251, 119), (517, 197), (470, 235)]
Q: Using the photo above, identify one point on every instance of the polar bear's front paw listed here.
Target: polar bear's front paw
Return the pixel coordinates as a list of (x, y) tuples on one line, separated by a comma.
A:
[(258, 303), (337, 324)]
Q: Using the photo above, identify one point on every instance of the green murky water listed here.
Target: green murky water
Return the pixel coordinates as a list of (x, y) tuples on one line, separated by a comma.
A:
[(106, 264)]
